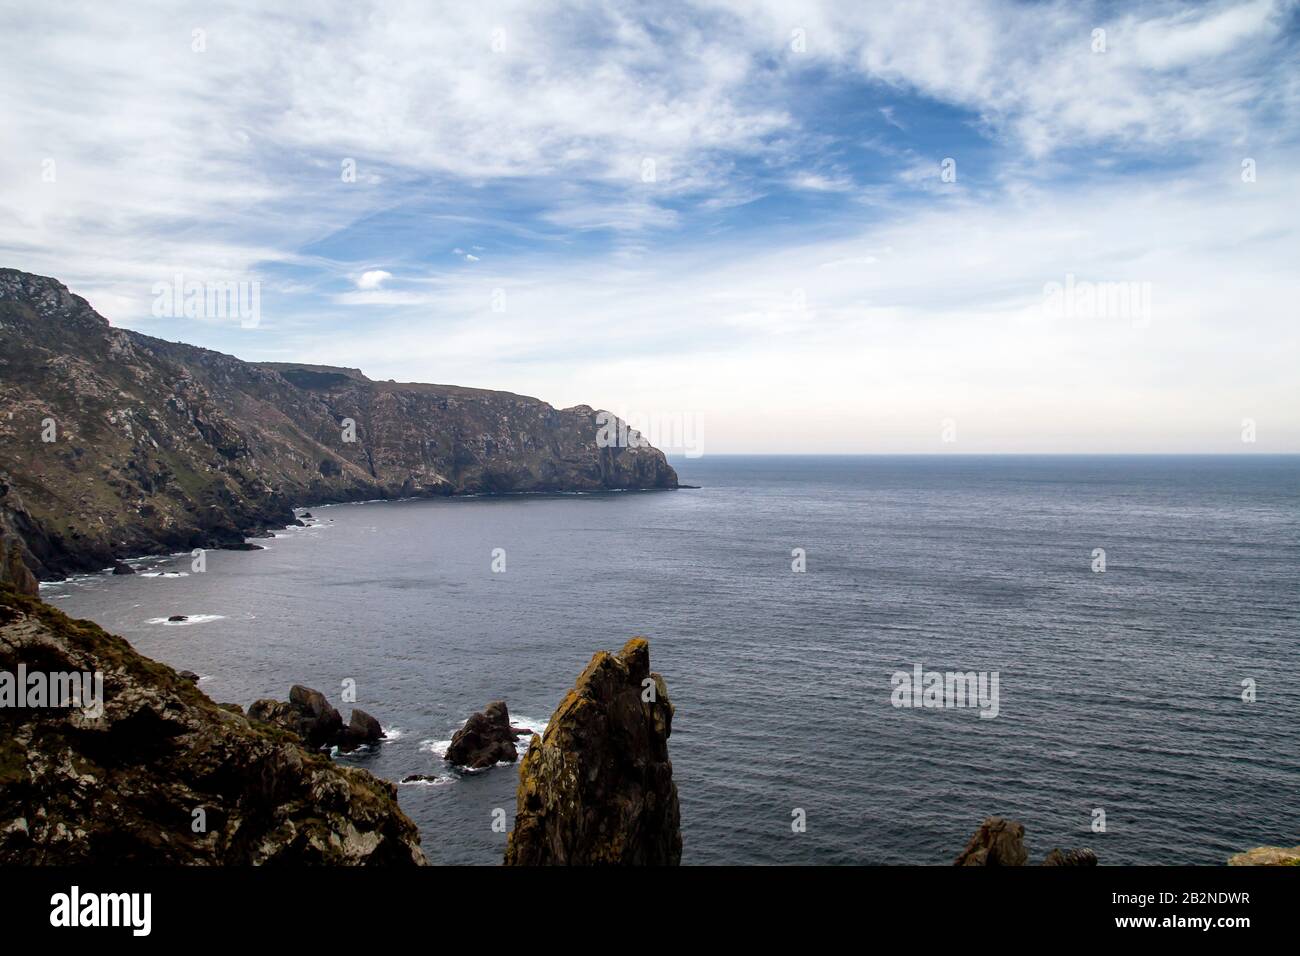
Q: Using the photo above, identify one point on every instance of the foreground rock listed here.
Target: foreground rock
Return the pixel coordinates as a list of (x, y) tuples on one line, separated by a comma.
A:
[(121, 567), (1001, 842), (309, 714), (164, 447), (486, 740), (1267, 856), (598, 787), (130, 785)]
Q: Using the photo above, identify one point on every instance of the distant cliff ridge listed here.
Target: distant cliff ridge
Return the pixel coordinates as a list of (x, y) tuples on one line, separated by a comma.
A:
[(114, 443)]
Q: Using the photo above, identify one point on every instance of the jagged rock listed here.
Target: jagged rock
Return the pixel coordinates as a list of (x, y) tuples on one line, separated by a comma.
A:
[(164, 447), (1267, 856), (1082, 857), (361, 729), (486, 739), (124, 787), (307, 713), (1001, 842), (121, 567), (998, 842), (598, 787)]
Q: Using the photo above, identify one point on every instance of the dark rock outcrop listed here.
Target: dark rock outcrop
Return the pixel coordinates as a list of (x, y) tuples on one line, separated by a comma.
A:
[(1059, 857), (486, 739), (163, 775), (1001, 842), (120, 567), (361, 729), (309, 715), (117, 444), (598, 787)]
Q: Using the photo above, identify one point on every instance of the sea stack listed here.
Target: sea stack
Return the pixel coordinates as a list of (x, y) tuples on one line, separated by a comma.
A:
[(598, 787)]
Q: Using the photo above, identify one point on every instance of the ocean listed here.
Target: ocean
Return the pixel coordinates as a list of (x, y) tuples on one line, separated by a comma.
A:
[(1119, 691)]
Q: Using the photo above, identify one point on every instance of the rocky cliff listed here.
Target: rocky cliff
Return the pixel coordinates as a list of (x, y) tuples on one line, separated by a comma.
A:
[(114, 443), (598, 787), (162, 775)]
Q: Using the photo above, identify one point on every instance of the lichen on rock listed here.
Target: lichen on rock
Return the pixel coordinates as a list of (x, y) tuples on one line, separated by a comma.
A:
[(597, 787)]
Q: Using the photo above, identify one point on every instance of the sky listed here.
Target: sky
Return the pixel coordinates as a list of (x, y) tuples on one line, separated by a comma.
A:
[(745, 225)]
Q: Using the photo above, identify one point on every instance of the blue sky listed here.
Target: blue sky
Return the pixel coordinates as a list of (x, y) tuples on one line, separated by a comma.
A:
[(733, 213)]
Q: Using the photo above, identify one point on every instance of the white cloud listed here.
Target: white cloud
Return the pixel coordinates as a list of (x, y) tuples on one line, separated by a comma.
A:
[(373, 279)]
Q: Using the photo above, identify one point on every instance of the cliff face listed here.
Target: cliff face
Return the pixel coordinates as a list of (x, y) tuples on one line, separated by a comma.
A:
[(598, 787), (114, 443), (163, 775)]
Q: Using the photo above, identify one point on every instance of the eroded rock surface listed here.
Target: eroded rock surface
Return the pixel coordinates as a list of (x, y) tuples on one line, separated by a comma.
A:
[(1001, 842), (1267, 856), (597, 787)]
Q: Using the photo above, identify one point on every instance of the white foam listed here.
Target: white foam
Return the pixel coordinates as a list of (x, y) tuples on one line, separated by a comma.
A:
[(164, 574), (439, 781), (189, 619)]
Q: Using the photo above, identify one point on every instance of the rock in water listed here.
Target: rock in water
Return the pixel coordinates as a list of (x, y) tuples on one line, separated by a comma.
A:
[(361, 729), (598, 787), (486, 739), (998, 842), (124, 786), (307, 713), (1267, 856), (1001, 842), (1059, 857), (121, 567)]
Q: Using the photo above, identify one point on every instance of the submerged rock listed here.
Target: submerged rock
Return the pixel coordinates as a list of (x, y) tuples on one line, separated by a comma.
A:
[(164, 776), (486, 739), (178, 617), (598, 787)]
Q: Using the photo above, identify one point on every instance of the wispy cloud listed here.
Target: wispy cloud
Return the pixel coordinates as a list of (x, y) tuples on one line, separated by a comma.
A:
[(736, 205)]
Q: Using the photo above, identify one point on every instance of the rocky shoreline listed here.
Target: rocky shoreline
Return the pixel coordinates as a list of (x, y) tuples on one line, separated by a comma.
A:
[(116, 444)]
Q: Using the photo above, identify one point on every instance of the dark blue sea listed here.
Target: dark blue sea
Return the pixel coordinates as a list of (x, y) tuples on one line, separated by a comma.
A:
[(1119, 690)]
